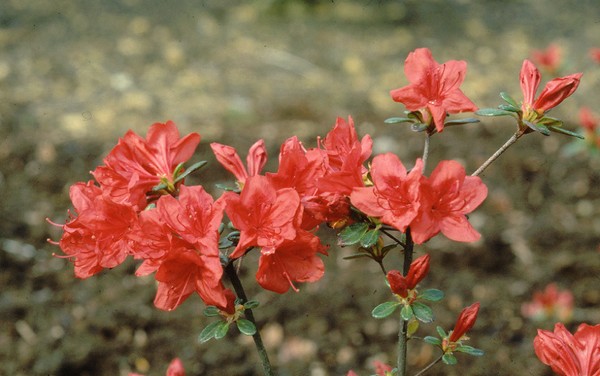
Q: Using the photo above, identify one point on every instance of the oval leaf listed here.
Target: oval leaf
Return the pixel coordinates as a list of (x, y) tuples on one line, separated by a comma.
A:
[(209, 331), (396, 120), (433, 295), (250, 304), (192, 168), (413, 326), (352, 234), (211, 311), (507, 107), (384, 309), (470, 350), (564, 131), (369, 239), (221, 330), (406, 313), (461, 121), (432, 340), (441, 332), (422, 312), (492, 112), (508, 99), (449, 359), (246, 327)]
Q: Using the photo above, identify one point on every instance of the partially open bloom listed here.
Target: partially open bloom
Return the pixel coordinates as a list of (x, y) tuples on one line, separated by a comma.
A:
[(549, 59), (464, 323), (229, 158), (555, 91), (551, 303), (447, 196), (568, 354), (402, 285), (433, 87)]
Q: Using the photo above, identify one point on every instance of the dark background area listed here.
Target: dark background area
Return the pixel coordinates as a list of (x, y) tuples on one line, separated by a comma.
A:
[(76, 75)]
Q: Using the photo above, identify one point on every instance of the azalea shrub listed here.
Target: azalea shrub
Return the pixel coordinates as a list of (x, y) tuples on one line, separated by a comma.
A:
[(140, 206)]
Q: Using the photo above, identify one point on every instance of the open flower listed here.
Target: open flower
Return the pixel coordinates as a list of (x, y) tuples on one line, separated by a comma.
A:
[(568, 354), (433, 87)]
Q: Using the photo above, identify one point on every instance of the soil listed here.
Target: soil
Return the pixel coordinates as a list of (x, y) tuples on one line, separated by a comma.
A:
[(75, 76)]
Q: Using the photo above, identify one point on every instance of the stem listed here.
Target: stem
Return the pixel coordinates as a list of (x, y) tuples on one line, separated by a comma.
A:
[(426, 151), (260, 347), (402, 333), (499, 152), (385, 231), (421, 372)]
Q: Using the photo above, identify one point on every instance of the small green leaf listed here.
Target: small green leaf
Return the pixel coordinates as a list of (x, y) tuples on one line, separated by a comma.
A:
[(387, 248), (508, 107), (369, 239), (226, 188), (441, 332), (461, 121), (508, 99), (432, 340), (192, 168), (406, 313), (419, 127), (492, 112), (412, 327), (470, 350), (538, 127), (433, 295), (159, 187), (209, 331), (221, 330), (246, 327), (384, 309), (422, 312), (564, 131), (352, 234), (211, 311), (251, 304), (396, 120), (449, 359)]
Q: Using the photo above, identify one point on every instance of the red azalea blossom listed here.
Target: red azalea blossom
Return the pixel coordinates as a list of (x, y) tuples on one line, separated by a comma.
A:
[(98, 237), (136, 165), (549, 58), (266, 217), (446, 197), (229, 158), (394, 196), (433, 86), (464, 323), (550, 303), (555, 91), (568, 354), (400, 284)]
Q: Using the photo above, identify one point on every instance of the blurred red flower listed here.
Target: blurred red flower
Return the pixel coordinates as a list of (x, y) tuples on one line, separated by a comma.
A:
[(551, 303), (549, 59), (595, 54), (433, 86), (568, 354), (588, 119)]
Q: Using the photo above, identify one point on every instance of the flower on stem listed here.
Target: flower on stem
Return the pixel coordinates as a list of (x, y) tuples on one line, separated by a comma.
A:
[(549, 59), (434, 89), (229, 158), (551, 303), (464, 323), (570, 354), (447, 196)]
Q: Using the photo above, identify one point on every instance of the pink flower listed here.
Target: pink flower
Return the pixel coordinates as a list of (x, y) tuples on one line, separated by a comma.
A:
[(568, 354), (549, 59), (447, 196), (229, 158), (433, 87)]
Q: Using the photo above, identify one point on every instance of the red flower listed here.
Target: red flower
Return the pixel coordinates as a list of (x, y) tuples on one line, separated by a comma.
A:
[(588, 119), (265, 216), (99, 236), (550, 303), (464, 323), (595, 54), (394, 197), (549, 58), (176, 368), (400, 284), (292, 261), (229, 158), (555, 91), (192, 263), (433, 86), (568, 354), (446, 197), (136, 165)]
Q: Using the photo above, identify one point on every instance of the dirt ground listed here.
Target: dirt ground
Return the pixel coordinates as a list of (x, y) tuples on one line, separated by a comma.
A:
[(74, 76)]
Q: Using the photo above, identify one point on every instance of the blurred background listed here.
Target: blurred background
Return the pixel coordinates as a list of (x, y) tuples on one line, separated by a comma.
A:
[(76, 75)]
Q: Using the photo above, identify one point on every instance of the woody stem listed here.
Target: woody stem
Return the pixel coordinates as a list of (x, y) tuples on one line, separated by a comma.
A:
[(421, 372), (499, 152), (260, 347), (426, 150), (402, 334)]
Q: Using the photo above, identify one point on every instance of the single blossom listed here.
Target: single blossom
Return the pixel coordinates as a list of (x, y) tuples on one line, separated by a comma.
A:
[(401, 285), (136, 165), (594, 53), (394, 196), (434, 87), (464, 323), (588, 120), (570, 354), (229, 158), (555, 91), (549, 59), (551, 303), (447, 196)]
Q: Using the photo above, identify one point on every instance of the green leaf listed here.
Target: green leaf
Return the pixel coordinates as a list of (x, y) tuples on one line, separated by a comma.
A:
[(159, 187), (352, 234), (449, 359), (221, 330), (209, 331), (211, 311), (432, 340), (422, 312), (564, 131), (226, 188), (396, 120), (412, 327), (470, 350), (192, 168), (433, 295), (369, 239), (251, 304), (492, 112), (387, 248), (419, 127), (406, 313), (246, 327), (461, 121), (538, 127), (441, 332), (384, 309), (508, 99), (547, 121), (508, 107)]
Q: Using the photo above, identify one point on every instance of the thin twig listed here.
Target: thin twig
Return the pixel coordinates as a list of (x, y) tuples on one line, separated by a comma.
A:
[(499, 152), (421, 372)]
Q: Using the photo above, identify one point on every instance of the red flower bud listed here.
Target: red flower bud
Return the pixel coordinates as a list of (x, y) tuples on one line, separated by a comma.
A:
[(418, 270), (397, 283), (465, 322)]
